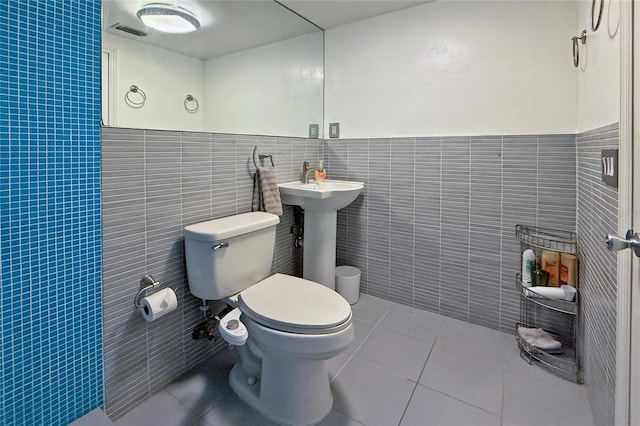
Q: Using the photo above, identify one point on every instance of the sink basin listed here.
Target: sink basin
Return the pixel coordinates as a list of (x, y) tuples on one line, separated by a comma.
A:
[(321, 203), (330, 195)]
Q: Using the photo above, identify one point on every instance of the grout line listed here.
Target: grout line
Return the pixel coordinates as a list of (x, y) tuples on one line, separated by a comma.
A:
[(211, 156), (199, 420), (180, 298), (146, 264), (504, 371), (501, 231), (187, 409), (366, 258), (463, 401), (413, 229), (537, 180), (406, 407), (440, 234), (360, 345), (390, 157), (349, 208), (468, 248), (417, 382)]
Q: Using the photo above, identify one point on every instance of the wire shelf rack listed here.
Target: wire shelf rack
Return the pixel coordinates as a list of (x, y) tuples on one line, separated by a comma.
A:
[(557, 317), (546, 238)]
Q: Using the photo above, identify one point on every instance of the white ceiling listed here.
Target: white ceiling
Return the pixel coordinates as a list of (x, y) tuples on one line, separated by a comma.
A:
[(233, 25), (331, 13)]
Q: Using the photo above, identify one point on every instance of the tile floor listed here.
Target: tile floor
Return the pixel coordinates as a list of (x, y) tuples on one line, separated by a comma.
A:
[(405, 367)]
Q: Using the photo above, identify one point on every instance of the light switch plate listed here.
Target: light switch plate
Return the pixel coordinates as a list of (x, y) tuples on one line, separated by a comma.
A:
[(609, 167), (314, 130), (334, 130)]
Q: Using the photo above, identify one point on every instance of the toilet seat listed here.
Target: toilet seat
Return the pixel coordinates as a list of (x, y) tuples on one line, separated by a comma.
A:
[(295, 305)]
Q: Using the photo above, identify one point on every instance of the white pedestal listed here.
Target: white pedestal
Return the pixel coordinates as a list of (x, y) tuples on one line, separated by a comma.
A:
[(321, 203), (319, 251)]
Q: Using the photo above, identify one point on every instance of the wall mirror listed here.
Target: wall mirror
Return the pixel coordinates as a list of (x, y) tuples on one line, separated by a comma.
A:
[(253, 67)]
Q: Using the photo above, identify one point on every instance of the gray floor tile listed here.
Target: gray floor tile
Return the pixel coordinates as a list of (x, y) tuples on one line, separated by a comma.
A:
[(362, 330), (461, 335), (369, 394), (205, 386), (160, 409), (533, 396), (336, 418), (395, 352), (95, 417), (469, 369), (471, 376), (412, 322), (370, 309), (429, 407), (335, 364), (232, 411), (551, 405)]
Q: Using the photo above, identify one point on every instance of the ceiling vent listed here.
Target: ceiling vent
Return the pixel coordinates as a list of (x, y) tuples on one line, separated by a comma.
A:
[(130, 30)]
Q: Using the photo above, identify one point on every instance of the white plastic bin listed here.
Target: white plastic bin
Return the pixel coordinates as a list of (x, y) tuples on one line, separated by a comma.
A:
[(348, 283)]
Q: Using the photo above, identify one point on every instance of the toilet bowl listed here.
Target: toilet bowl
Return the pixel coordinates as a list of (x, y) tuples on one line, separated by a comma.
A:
[(291, 326), (294, 325)]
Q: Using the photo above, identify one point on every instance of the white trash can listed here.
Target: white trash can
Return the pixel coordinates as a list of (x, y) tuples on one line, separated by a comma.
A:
[(348, 283)]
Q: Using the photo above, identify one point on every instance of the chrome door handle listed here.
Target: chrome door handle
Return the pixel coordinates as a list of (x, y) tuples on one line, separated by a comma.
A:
[(221, 245), (631, 240)]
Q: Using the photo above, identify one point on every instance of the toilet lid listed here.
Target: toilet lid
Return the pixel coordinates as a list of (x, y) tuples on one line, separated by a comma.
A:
[(287, 303)]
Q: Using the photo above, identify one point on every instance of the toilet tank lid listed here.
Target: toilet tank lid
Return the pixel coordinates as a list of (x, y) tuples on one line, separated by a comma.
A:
[(230, 226)]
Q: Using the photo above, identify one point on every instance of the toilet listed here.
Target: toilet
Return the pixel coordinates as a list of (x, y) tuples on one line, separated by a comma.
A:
[(285, 327)]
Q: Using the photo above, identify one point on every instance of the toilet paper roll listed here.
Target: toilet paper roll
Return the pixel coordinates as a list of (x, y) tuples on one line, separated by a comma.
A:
[(158, 304)]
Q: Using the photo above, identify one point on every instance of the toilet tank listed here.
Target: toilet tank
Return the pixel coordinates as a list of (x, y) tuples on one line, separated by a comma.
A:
[(227, 255)]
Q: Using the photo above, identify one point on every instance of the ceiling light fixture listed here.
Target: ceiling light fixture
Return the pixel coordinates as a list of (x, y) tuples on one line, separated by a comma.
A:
[(168, 18)]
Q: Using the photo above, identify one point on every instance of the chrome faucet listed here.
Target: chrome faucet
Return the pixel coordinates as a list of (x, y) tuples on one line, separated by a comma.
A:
[(306, 170)]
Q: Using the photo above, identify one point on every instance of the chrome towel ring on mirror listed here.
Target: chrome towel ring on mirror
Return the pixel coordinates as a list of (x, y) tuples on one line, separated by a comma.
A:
[(191, 104), (576, 47), (130, 99), (595, 23)]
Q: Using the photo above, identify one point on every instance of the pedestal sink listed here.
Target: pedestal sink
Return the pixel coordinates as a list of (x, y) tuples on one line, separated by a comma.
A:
[(321, 203)]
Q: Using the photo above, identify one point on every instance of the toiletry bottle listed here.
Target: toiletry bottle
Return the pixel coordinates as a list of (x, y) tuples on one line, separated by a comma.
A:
[(320, 173), (551, 263), (568, 269), (528, 262)]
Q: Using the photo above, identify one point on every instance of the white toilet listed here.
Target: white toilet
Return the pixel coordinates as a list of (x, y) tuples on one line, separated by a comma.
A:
[(291, 326)]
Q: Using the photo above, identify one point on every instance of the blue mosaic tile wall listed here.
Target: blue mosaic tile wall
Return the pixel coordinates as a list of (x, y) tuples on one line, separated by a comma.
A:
[(50, 243)]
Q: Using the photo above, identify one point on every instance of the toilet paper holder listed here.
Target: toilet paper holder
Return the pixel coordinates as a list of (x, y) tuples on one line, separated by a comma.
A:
[(147, 282)]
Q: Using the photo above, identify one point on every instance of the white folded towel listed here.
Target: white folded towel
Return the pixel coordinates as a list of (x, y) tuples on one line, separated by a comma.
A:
[(547, 292), (540, 339), (266, 195), (564, 292)]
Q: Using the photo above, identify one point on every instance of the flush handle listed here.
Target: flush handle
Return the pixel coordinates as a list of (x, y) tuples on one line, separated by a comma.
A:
[(631, 240), (220, 245)]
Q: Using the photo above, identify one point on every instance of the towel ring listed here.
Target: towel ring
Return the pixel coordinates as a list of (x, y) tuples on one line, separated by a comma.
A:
[(576, 47), (191, 104), (596, 24), (261, 157), (131, 101)]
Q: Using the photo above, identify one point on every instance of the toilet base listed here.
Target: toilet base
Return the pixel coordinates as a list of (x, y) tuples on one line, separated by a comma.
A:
[(295, 393)]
